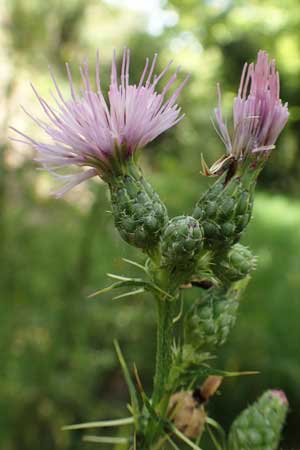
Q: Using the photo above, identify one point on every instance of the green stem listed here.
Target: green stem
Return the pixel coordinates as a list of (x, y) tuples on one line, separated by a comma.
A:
[(164, 346)]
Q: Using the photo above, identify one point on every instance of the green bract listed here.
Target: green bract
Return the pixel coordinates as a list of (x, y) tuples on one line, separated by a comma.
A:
[(224, 211), (139, 214), (236, 264), (259, 426), (213, 316), (182, 242)]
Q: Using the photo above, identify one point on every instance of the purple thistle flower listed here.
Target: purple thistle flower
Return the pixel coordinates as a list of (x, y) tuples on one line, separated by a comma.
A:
[(87, 131), (258, 114)]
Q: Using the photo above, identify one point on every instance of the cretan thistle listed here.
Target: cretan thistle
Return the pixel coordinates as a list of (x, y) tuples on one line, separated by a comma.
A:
[(198, 252)]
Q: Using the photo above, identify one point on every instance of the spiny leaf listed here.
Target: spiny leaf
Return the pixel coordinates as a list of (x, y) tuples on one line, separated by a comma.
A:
[(159, 423), (134, 263), (138, 379), (214, 440), (102, 291), (172, 443), (213, 423), (193, 375), (100, 424), (105, 440), (119, 277), (179, 315), (129, 381), (225, 373), (184, 438), (130, 282), (128, 294)]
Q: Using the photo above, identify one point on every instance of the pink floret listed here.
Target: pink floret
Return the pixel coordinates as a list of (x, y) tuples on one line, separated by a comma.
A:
[(258, 113), (280, 395)]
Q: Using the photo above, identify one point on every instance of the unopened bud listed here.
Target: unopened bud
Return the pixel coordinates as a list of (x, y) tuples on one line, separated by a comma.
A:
[(236, 265), (225, 210), (182, 242), (259, 426), (139, 214), (213, 316)]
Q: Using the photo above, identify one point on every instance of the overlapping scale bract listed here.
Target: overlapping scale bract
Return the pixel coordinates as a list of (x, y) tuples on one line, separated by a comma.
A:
[(213, 316), (235, 264), (224, 211), (139, 214), (259, 426), (182, 242)]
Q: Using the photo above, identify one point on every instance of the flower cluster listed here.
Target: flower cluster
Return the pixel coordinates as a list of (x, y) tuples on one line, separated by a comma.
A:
[(183, 252), (88, 131)]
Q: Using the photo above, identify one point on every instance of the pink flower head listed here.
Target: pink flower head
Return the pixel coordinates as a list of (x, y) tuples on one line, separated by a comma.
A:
[(88, 131), (258, 113)]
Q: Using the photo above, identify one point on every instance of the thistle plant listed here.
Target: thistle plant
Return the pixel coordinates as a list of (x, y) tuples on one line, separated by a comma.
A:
[(199, 252)]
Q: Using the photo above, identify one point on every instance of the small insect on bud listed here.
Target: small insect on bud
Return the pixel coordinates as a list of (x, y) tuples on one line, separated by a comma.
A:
[(187, 415), (182, 242), (236, 265), (259, 426)]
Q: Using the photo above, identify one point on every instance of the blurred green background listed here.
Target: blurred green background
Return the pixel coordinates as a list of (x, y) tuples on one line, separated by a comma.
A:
[(57, 361)]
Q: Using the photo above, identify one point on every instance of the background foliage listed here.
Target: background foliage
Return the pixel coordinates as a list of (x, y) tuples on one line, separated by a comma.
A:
[(57, 360)]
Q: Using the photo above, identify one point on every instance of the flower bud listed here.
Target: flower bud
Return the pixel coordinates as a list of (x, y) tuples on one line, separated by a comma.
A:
[(224, 210), (236, 265), (213, 316), (182, 242), (187, 415), (259, 426), (139, 214)]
